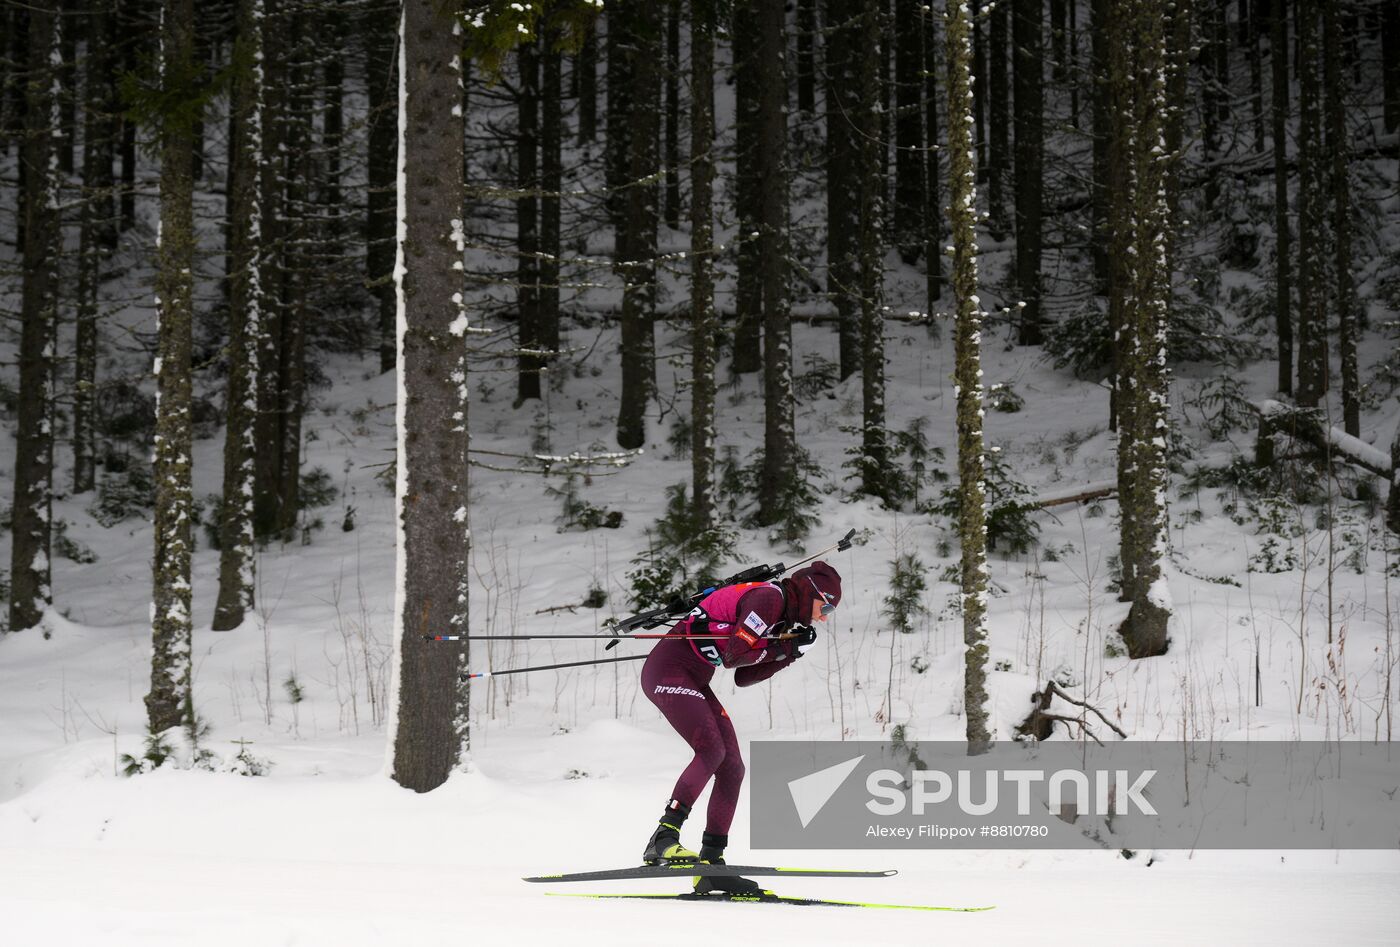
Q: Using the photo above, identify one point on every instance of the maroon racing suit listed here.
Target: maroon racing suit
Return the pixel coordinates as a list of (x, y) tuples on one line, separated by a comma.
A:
[(676, 678)]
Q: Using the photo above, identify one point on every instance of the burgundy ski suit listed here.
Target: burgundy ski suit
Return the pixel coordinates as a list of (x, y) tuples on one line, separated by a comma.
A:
[(676, 678)]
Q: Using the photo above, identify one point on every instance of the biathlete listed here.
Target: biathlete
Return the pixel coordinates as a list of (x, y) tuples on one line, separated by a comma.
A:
[(676, 678)]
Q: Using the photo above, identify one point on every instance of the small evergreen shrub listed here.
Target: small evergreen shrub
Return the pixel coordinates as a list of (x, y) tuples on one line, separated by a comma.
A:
[(904, 605), (577, 514), (122, 496), (681, 558)]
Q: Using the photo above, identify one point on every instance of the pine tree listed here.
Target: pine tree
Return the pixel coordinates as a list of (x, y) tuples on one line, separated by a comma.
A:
[(169, 702), (429, 734), (972, 527), (246, 296), (32, 513)]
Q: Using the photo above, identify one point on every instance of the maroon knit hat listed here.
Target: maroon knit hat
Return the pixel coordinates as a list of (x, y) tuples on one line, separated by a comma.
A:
[(824, 578)]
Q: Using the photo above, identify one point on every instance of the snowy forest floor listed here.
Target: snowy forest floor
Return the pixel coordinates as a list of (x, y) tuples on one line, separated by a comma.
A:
[(570, 767)]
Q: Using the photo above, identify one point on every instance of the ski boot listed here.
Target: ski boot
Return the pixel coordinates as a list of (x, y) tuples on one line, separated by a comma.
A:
[(664, 847), (712, 853)]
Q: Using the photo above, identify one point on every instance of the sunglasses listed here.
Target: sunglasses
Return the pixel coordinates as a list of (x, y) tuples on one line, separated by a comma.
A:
[(827, 605)]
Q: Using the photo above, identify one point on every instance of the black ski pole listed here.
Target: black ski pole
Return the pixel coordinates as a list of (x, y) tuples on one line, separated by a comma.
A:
[(551, 667)]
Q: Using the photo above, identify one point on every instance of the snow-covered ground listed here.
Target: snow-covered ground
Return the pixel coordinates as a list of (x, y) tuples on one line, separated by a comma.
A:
[(569, 768)]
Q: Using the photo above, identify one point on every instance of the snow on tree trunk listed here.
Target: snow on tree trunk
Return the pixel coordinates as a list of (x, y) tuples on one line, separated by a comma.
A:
[(428, 732), (1143, 236), (962, 215), (169, 703), (30, 590), (236, 537), (870, 214)]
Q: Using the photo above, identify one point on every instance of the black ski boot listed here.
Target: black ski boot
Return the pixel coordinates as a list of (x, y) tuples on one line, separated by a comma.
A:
[(712, 853), (664, 847)]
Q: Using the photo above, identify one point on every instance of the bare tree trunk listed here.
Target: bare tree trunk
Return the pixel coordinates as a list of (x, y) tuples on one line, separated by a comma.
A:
[(1144, 235), (842, 210), (909, 161), (972, 529), (642, 38), (527, 222), (552, 182), (379, 27), (999, 118), (748, 199), (429, 728), (806, 56), (875, 459), (933, 213), (586, 70), (770, 75), (169, 703), (1283, 264), (702, 289), (1312, 213), (31, 592), (672, 161), (237, 551), (1030, 157), (1339, 146)]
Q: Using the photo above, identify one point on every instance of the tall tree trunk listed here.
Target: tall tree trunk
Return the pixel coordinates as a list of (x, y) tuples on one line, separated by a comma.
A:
[(1390, 64), (933, 213), (527, 222), (806, 56), (875, 459), (1283, 292), (378, 29), (1256, 77), (770, 76), (616, 148), (333, 111), (641, 21), (702, 288), (1339, 147), (1312, 213), (972, 527), (268, 428), (1143, 235), (237, 552), (980, 85), (672, 159), (429, 727), (551, 182), (169, 703), (842, 210), (748, 199), (295, 278), (31, 592), (909, 169), (67, 128), (133, 26), (92, 249), (1030, 148), (1214, 109), (586, 69), (999, 119)]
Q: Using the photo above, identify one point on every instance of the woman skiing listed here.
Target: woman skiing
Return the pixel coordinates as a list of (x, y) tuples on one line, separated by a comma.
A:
[(676, 676)]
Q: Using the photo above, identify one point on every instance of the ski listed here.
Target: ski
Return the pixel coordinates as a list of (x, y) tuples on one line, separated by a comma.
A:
[(768, 897), (693, 869)]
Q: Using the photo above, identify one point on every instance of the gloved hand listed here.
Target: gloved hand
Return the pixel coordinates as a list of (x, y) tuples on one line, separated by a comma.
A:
[(805, 637)]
